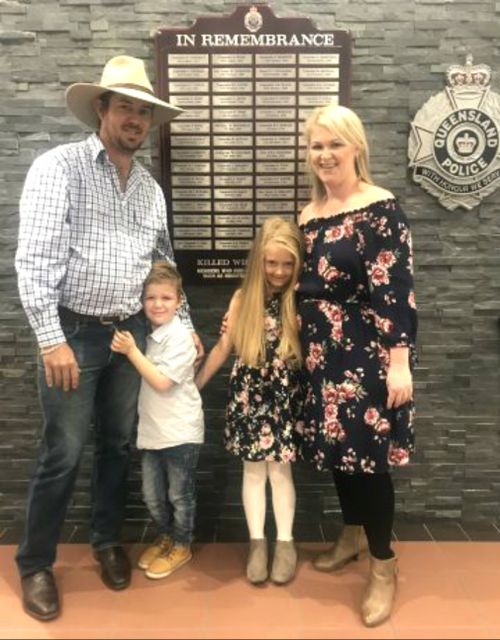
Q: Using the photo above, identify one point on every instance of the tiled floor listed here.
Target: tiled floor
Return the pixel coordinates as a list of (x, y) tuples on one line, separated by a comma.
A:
[(446, 590)]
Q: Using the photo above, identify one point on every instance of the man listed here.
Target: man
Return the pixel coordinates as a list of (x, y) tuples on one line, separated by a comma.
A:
[(91, 221)]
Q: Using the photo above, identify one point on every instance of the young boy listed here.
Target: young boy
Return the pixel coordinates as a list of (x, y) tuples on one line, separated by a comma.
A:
[(170, 430)]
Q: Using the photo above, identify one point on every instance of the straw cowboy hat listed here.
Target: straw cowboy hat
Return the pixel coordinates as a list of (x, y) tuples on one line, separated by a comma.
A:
[(124, 75)]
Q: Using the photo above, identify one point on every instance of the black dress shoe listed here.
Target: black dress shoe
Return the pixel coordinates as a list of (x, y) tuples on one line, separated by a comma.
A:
[(40, 597), (115, 567)]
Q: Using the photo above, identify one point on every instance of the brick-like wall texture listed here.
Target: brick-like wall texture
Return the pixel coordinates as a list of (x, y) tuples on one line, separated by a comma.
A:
[(401, 49)]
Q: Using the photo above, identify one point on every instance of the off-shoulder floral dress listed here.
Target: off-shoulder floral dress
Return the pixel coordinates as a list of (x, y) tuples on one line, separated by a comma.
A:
[(355, 302), (264, 409)]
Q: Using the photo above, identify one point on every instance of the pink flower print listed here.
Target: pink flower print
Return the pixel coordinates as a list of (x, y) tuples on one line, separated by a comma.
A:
[(270, 323), (347, 391), (384, 324), (332, 235), (288, 455), (336, 333), (266, 439), (367, 465), (386, 258), (397, 455), (384, 355), (328, 272), (309, 239), (411, 300), (379, 275), (383, 426), (331, 412), (334, 430), (330, 393), (315, 357), (371, 416)]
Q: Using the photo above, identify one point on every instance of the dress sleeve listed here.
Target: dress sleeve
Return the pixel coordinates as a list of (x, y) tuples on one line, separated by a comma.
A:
[(388, 260)]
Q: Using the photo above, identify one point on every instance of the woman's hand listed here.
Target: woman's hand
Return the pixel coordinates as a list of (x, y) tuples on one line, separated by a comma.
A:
[(399, 385), (123, 342)]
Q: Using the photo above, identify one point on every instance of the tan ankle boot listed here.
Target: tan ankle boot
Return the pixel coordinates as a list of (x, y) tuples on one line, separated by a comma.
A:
[(284, 562), (351, 542), (257, 561), (380, 592)]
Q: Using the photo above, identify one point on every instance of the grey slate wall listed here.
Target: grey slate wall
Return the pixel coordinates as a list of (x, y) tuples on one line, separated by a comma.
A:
[(401, 50)]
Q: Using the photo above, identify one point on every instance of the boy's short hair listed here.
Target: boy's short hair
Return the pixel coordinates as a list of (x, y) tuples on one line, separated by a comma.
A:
[(163, 271)]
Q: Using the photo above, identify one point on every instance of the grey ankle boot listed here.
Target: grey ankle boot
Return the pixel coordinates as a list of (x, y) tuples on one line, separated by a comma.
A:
[(350, 544), (284, 562), (257, 561)]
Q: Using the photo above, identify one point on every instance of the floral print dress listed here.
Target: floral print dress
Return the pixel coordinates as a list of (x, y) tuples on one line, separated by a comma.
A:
[(265, 403), (355, 302)]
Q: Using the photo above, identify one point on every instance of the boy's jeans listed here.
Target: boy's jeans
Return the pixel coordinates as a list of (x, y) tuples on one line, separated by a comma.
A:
[(169, 489), (107, 392)]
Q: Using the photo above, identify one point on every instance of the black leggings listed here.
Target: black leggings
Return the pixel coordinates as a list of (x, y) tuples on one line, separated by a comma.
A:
[(368, 499)]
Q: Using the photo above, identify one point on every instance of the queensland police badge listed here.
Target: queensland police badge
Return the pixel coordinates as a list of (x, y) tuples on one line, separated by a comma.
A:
[(454, 140)]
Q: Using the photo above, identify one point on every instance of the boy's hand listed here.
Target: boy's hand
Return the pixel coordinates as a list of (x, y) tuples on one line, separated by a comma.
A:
[(123, 342)]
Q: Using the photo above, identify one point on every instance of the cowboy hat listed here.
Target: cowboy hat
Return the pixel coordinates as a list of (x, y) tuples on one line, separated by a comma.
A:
[(124, 75)]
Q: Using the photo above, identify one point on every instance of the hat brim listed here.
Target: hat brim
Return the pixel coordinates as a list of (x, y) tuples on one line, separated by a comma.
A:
[(80, 99)]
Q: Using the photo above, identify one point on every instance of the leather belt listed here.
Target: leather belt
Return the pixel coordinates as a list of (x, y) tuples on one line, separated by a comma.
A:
[(69, 314)]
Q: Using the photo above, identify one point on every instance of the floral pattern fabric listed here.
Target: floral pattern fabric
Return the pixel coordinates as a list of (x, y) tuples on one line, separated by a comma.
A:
[(263, 414), (355, 302)]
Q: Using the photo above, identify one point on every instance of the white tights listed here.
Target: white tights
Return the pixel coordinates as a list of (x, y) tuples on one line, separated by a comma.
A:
[(255, 475)]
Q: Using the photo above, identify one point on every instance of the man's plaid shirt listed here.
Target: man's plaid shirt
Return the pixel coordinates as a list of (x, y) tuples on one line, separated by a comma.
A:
[(83, 243)]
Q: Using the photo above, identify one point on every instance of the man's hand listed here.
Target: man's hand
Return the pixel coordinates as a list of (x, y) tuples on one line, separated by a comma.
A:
[(200, 349), (61, 368)]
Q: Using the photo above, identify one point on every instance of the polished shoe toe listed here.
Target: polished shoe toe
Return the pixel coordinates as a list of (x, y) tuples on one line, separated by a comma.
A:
[(115, 567), (40, 597)]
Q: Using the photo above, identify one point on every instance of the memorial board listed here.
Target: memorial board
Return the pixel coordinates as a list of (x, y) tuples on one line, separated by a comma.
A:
[(235, 156)]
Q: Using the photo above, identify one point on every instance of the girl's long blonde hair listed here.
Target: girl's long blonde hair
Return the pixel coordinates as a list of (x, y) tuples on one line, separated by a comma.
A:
[(247, 329), (342, 122)]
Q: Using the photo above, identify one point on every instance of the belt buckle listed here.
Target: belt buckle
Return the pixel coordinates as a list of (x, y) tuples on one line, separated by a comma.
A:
[(109, 321)]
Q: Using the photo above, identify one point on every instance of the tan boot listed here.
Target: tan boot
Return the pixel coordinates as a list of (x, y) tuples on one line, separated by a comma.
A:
[(257, 561), (351, 542), (284, 562), (160, 546), (380, 592)]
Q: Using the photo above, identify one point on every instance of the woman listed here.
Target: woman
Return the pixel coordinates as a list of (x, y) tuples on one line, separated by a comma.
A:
[(358, 327)]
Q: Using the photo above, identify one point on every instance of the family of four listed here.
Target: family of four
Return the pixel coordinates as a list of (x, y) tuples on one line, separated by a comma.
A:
[(323, 328)]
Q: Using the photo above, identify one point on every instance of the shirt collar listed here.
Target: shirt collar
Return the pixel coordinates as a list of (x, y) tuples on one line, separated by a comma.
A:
[(97, 148), (160, 333), (99, 153)]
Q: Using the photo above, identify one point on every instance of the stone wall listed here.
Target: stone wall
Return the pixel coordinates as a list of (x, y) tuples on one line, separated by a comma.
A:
[(401, 49)]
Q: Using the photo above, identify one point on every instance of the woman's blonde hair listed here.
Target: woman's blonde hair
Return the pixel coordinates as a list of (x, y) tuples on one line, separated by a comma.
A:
[(343, 123), (247, 329)]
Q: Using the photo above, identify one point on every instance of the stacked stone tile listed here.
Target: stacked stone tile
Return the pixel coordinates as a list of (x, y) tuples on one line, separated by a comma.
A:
[(401, 50)]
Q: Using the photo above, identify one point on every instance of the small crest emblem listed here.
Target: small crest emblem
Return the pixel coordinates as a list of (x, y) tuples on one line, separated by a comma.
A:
[(454, 141), (253, 20)]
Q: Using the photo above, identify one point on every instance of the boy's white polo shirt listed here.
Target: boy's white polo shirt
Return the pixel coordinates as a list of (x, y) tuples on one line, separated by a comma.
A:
[(175, 416)]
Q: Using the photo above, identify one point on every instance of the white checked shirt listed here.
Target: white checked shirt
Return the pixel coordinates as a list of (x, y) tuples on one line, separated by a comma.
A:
[(84, 243)]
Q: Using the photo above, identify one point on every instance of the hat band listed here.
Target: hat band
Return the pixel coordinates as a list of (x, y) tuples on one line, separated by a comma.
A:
[(137, 87)]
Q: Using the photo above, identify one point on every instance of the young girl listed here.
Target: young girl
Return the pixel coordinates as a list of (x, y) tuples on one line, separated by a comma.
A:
[(264, 407)]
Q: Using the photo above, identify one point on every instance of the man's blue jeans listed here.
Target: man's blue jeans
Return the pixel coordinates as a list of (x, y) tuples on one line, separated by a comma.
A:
[(107, 394), (169, 489)]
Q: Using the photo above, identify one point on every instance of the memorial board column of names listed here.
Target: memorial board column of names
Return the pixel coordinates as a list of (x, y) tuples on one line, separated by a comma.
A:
[(246, 83)]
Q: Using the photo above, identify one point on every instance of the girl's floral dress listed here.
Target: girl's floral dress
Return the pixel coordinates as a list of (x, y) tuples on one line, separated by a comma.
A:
[(355, 302), (263, 414)]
